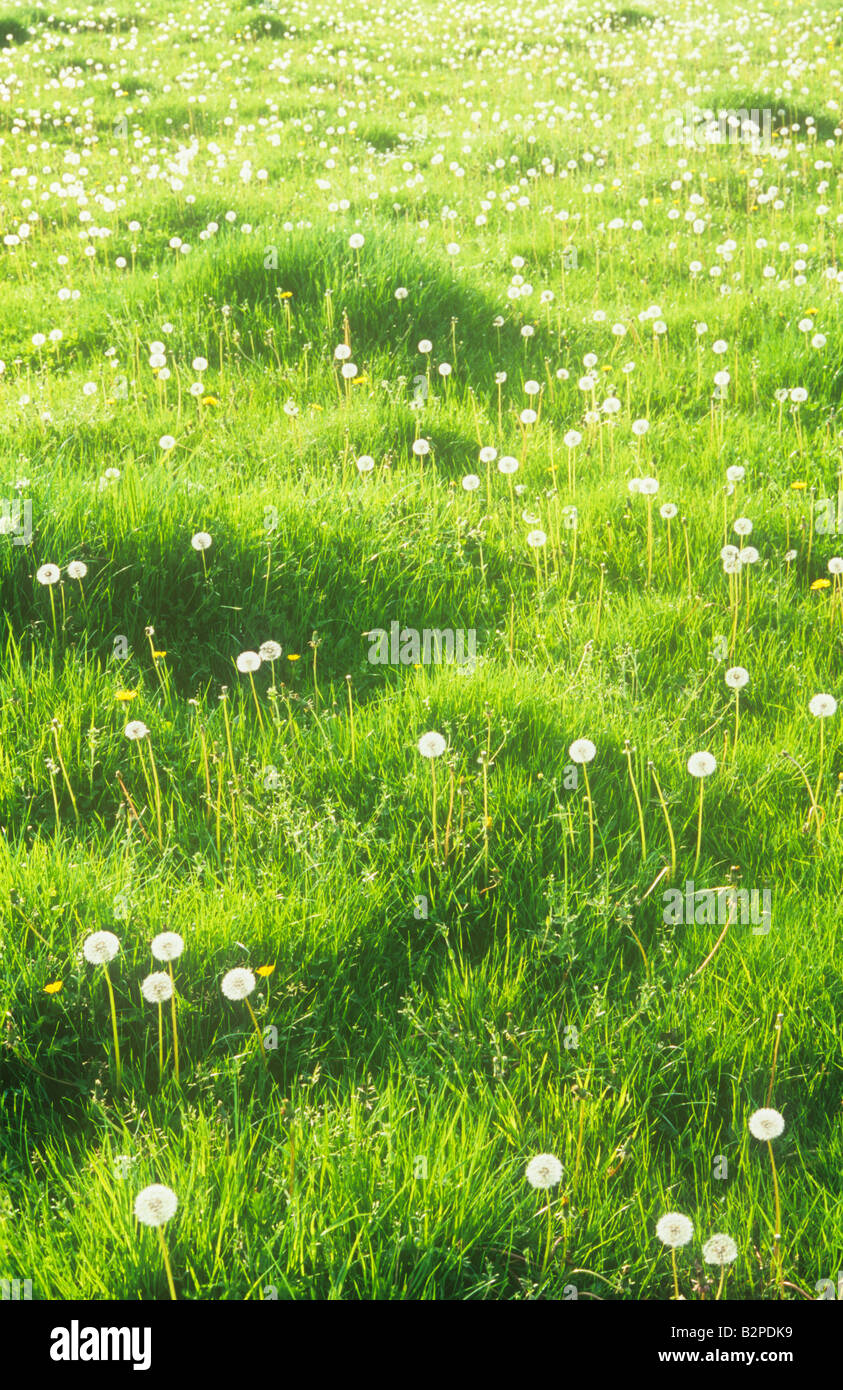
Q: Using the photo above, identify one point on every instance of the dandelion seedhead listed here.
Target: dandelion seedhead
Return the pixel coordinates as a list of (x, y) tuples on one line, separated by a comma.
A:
[(157, 987), (673, 1229), (544, 1171), (766, 1124), (168, 945), (100, 947), (238, 983)]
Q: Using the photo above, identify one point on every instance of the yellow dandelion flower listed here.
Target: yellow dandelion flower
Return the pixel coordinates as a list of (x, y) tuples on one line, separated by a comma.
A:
[(286, 294), (797, 487), (126, 695), (821, 584), (294, 656), (210, 400), (264, 970), (158, 655), (53, 988)]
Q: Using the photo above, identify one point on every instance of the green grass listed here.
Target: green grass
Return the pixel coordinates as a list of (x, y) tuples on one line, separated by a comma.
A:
[(448, 998)]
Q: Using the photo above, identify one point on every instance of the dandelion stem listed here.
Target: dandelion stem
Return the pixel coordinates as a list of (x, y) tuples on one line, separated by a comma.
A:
[(549, 1243), (435, 830), (157, 796), (779, 1021), (258, 1031), (114, 1025), (777, 1234), (452, 785), (675, 1274), (67, 779), (160, 1042), (166, 1258), (699, 829), (687, 555), (590, 816), (627, 750), (737, 717), (670, 834), (175, 1029), (599, 603), (351, 723), (822, 752), (255, 698)]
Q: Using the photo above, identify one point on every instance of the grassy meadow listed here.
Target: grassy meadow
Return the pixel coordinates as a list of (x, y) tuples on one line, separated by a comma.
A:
[(317, 319)]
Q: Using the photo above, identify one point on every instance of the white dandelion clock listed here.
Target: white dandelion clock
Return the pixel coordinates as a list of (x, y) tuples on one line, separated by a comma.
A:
[(238, 984), (582, 752), (674, 1230), (135, 729), (766, 1124), (157, 988), (155, 1206), (201, 540), (48, 574), (822, 706), (98, 949), (544, 1171), (720, 1250), (167, 946), (701, 765), (247, 664), (77, 569), (431, 746)]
